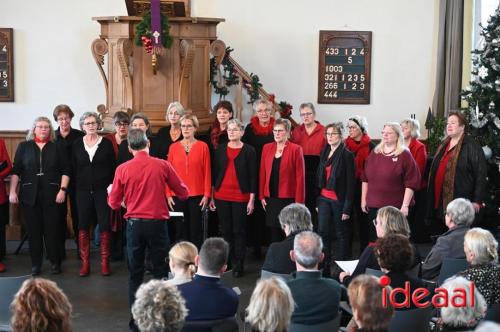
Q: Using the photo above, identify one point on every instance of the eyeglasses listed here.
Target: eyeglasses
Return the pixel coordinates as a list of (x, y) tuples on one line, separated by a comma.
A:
[(43, 127), (63, 119), (89, 124), (278, 131), (352, 127), (233, 129), (187, 126), (263, 111), (306, 114), (122, 124), (332, 134)]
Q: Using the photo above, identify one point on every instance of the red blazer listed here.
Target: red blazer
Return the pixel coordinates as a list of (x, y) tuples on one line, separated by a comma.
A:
[(291, 177), (4, 170), (419, 153)]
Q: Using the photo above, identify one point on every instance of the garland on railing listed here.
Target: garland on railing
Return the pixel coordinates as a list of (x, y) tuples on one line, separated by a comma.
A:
[(222, 80)]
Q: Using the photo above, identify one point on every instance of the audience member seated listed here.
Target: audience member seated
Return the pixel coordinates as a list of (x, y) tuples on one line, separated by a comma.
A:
[(316, 298), (459, 216), (40, 306), (365, 296), (271, 306), (206, 297), (181, 261), (460, 317), (389, 221), (293, 219), (394, 255), (159, 306), (480, 249)]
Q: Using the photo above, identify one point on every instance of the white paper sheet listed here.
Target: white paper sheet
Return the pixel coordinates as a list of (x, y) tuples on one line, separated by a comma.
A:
[(348, 266)]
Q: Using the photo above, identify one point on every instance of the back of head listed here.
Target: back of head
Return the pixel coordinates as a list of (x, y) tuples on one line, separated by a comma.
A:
[(365, 296), (271, 306), (307, 247), (40, 306), (461, 211), (183, 254), (159, 307), (297, 217), (213, 255), (137, 139), (393, 221), (482, 245), (394, 252)]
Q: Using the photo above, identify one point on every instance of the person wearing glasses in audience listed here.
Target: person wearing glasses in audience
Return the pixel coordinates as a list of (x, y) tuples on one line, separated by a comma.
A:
[(191, 160), (258, 133), (67, 135), (310, 135), (170, 134), (390, 176), (335, 179), (281, 179), (42, 170), (94, 165), (235, 185)]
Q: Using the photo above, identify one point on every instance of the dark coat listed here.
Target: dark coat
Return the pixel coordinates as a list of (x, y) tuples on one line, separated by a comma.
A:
[(278, 257), (245, 164)]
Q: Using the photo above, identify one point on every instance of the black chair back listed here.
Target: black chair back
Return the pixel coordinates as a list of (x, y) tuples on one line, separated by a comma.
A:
[(332, 325), (416, 320), (450, 267), (229, 324), (493, 313)]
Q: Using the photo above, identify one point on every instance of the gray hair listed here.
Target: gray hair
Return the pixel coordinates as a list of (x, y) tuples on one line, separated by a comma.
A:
[(137, 139), (361, 122), (213, 255), (269, 106), (307, 247), (285, 123), (178, 108), (308, 105), (337, 126), (31, 132), (483, 245), (461, 211), (271, 306), (460, 315), (297, 217), (144, 118), (237, 123), (414, 125), (487, 326), (159, 307), (87, 115)]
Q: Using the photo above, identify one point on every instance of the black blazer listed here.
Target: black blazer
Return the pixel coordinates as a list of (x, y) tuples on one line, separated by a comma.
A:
[(30, 161), (278, 257), (162, 142), (245, 164), (97, 174), (342, 179)]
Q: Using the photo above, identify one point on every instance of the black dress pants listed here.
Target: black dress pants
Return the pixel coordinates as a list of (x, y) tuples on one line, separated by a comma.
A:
[(189, 228), (4, 220), (233, 219), (93, 208)]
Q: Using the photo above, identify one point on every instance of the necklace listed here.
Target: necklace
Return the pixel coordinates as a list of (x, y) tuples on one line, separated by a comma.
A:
[(175, 133), (187, 146), (388, 153)]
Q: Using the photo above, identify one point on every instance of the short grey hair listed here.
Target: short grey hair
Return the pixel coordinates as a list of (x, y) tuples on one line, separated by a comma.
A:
[(178, 108), (456, 316), (159, 307), (87, 115), (137, 139), (483, 245), (31, 132), (237, 123), (285, 123), (307, 247), (414, 125), (461, 211), (297, 217), (213, 255), (308, 105), (267, 103)]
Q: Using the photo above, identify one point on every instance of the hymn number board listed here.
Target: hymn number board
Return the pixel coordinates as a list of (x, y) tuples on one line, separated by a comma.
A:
[(6, 65), (344, 67)]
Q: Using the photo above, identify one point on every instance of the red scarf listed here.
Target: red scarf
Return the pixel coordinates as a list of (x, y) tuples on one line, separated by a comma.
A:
[(37, 140), (259, 130), (361, 151)]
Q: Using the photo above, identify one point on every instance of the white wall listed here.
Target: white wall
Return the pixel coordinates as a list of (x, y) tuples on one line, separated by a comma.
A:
[(278, 40)]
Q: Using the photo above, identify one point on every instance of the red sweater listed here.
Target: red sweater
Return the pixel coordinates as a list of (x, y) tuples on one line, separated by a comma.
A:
[(311, 144), (291, 179), (193, 168), (4, 157), (229, 189), (388, 177), (419, 153), (140, 182)]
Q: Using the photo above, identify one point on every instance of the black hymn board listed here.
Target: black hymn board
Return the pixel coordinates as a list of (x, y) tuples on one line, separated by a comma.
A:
[(6, 65), (344, 67)]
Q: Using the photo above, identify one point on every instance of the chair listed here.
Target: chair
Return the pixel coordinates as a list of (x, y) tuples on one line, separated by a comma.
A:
[(267, 274), (493, 313), (373, 272), (229, 324), (450, 267), (414, 271), (416, 320), (332, 325), (8, 288)]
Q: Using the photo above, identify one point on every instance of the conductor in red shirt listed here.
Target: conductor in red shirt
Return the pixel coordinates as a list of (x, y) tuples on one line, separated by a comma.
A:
[(140, 184)]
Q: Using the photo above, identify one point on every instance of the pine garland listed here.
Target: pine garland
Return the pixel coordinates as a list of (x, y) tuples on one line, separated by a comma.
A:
[(143, 29)]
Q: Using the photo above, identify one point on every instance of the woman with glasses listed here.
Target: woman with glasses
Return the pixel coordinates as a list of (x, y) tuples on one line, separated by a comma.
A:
[(281, 179), (235, 185), (191, 160), (94, 165), (170, 134), (335, 180), (390, 176), (310, 135), (138, 121), (42, 169), (122, 122)]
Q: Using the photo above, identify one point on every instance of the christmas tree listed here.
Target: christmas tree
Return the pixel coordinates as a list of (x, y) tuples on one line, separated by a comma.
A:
[(483, 111)]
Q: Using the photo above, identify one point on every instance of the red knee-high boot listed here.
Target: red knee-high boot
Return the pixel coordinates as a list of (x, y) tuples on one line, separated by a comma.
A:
[(84, 243), (105, 253)]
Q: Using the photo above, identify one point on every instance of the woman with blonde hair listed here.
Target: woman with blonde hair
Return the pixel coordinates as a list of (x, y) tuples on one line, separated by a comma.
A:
[(271, 306), (390, 176), (40, 306), (181, 262), (480, 249)]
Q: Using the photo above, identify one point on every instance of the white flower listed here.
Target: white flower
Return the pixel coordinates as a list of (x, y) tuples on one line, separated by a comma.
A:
[(483, 72)]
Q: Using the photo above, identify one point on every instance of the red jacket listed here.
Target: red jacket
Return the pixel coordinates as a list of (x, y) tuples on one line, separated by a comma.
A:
[(311, 144), (419, 153), (4, 170), (291, 179)]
